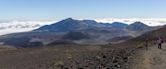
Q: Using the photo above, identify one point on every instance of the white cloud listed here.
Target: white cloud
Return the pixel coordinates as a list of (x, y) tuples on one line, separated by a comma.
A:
[(147, 21), (21, 26)]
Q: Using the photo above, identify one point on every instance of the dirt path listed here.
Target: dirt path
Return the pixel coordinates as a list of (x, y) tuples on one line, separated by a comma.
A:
[(153, 58)]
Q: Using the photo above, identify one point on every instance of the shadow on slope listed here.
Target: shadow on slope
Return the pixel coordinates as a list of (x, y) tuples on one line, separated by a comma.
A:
[(152, 36)]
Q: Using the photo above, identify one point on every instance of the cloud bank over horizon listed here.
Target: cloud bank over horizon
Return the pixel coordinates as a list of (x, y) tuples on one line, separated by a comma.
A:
[(147, 21)]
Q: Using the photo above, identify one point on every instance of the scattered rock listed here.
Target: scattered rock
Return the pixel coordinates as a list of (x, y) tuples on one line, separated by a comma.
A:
[(105, 59)]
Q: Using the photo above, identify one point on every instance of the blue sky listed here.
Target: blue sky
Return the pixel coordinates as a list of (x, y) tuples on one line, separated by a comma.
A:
[(82, 9)]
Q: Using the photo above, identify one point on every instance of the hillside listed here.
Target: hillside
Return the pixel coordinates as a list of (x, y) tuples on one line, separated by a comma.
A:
[(72, 56), (138, 26), (152, 36)]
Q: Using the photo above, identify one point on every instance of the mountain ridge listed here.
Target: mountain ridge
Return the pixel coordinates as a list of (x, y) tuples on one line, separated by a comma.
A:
[(75, 31), (70, 24)]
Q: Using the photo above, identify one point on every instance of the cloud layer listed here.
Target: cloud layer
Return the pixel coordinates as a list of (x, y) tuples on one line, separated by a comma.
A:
[(147, 21)]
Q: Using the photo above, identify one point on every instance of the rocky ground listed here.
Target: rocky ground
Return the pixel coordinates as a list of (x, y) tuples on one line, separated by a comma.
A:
[(153, 58), (105, 59), (67, 57)]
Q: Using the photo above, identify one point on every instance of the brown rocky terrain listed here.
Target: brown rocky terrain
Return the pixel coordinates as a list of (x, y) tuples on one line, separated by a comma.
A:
[(66, 57)]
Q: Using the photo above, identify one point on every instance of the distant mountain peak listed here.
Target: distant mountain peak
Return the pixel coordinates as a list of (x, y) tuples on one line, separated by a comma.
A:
[(139, 23), (68, 20), (138, 26), (69, 24)]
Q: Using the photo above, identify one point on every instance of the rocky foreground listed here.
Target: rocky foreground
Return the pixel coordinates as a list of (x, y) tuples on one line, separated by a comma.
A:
[(67, 57), (110, 59)]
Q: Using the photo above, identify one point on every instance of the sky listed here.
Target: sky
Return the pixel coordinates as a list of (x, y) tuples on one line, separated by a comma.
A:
[(81, 9)]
